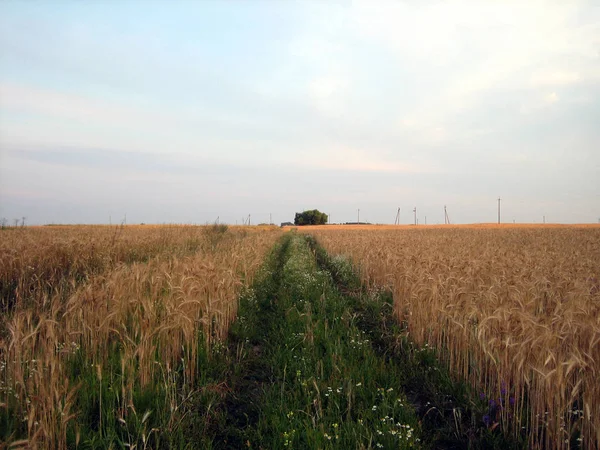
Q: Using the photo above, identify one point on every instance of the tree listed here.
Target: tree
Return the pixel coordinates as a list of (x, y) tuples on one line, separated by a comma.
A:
[(310, 217)]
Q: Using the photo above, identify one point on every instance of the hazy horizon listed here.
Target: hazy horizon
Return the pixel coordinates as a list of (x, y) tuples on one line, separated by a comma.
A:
[(183, 112)]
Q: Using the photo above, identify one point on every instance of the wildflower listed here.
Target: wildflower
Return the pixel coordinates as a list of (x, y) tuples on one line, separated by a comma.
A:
[(358, 384), (487, 420)]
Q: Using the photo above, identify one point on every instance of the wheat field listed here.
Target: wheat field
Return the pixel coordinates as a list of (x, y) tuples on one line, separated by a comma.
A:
[(143, 300), (514, 311)]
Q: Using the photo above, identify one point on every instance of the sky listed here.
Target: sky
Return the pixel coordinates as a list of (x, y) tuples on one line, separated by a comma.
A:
[(186, 111)]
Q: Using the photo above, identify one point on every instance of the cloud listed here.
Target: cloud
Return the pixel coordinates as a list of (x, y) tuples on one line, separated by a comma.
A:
[(327, 93), (357, 160), (467, 49), (538, 103), (45, 117), (555, 78), (39, 101), (353, 99), (551, 98)]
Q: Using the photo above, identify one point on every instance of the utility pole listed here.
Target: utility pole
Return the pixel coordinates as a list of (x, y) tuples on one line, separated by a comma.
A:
[(544, 220), (499, 199), (270, 219), (446, 218), (397, 222), (425, 220), (415, 211), (358, 216)]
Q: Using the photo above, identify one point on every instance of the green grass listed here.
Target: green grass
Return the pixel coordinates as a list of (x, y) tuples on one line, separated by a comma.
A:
[(308, 376)]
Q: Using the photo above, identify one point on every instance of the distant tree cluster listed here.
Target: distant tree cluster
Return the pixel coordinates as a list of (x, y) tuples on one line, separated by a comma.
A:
[(311, 217)]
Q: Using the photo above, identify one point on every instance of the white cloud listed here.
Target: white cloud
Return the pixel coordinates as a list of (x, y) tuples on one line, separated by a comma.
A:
[(551, 98), (430, 90), (473, 49), (353, 159), (327, 93), (64, 118), (539, 103), (554, 78), (61, 118)]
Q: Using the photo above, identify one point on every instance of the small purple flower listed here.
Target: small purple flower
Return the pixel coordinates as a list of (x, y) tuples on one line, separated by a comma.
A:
[(492, 403), (511, 400), (482, 396), (487, 420)]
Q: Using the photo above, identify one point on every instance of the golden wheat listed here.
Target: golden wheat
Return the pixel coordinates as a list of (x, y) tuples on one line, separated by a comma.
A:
[(515, 311), (37, 261), (154, 312)]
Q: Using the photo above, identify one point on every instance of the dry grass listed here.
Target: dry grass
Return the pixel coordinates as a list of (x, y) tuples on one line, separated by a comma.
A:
[(152, 313), (513, 310)]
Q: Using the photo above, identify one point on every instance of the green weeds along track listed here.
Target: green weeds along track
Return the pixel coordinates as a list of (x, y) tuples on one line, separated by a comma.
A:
[(309, 377), (318, 365)]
